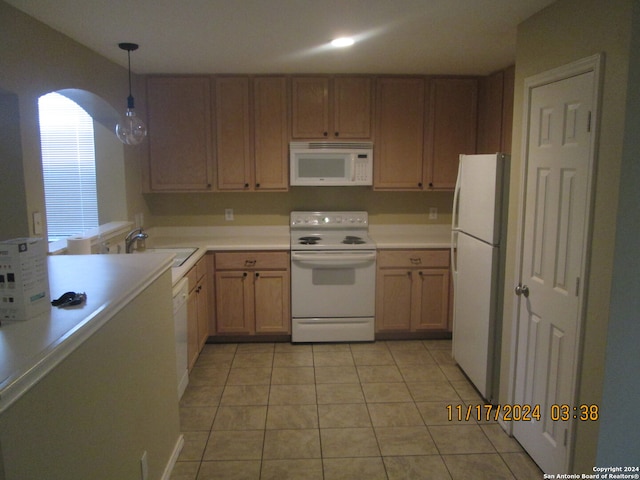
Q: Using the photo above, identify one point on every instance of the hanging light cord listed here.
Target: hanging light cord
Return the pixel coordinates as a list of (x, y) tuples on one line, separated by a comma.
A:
[(129, 47), (130, 97)]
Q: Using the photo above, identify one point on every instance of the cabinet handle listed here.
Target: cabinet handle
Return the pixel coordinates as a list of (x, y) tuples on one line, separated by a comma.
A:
[(257, 185), (208, 185), (246, 185), (337, 134), (249, 263), (415, 261), (326, 134), (420, 273), (430, 185), (257, 274), (244, 274), (420, 184)]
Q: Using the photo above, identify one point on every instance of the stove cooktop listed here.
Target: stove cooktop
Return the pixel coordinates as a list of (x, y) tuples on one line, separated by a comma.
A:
[(330, 231)]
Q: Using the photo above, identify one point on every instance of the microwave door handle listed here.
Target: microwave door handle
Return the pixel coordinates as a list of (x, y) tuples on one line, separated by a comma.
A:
[(354, 159)]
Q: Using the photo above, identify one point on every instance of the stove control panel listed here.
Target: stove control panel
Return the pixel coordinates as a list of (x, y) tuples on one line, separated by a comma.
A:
[(329, 219)]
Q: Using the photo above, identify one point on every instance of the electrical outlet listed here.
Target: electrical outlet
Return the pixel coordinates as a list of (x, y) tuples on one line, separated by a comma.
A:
[(228, 214), (433, 213), (144, 467)]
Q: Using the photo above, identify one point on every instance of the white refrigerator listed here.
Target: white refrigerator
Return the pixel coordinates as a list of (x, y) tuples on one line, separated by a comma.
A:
[(477, 249)]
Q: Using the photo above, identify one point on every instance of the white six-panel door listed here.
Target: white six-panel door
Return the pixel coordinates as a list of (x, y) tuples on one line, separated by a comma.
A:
[(552, 248)]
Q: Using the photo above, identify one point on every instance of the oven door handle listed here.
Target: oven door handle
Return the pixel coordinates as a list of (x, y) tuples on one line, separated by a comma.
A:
[(332, 260)]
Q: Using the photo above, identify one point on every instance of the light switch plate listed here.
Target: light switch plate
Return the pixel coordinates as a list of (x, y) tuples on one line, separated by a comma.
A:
[(228, 214), (433, 213), (37, 223)]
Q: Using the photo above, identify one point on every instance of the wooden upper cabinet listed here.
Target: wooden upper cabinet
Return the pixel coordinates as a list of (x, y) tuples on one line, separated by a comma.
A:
[(233, 136), (271, 138), (310, 107), (495, 111), (251, 133), (507, 108), (452, 129), (399, 133), (352, 112), (331, 107), (179, 119), (490, 113)]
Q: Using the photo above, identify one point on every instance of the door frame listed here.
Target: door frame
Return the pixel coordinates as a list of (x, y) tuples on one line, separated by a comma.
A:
[(595, 64)]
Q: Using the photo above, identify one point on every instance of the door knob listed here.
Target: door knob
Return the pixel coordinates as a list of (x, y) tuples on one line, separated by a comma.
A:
[(522, 290)]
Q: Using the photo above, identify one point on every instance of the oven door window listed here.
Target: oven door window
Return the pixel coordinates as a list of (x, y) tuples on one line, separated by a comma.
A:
[(333, 276)]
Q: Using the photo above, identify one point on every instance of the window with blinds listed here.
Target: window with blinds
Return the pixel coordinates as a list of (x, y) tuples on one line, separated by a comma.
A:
[(68, 165)]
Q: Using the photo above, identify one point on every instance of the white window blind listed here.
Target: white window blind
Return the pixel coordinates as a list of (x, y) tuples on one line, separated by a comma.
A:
[(68, 164)]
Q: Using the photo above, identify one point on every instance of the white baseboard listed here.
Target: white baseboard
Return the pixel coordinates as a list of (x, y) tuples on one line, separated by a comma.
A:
[(166, 475)]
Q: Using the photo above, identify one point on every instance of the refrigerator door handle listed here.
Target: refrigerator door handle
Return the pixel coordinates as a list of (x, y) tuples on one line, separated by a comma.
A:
[(454, 259), (456, 195)]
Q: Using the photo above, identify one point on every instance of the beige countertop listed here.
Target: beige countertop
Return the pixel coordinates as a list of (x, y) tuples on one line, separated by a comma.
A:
[(278, 238), (411, 236), (32, 348)]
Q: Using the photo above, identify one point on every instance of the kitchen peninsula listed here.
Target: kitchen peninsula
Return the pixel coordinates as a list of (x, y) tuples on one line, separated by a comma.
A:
[(90, 391)]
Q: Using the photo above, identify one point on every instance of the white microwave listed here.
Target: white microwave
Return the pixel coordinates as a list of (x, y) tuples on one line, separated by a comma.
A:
[(331, 163)]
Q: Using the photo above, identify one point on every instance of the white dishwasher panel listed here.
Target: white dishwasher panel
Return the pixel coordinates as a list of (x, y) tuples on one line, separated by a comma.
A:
[(180, 295)]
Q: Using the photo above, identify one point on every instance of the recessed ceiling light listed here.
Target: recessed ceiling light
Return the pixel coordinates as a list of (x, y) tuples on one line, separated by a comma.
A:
[(342, 42)]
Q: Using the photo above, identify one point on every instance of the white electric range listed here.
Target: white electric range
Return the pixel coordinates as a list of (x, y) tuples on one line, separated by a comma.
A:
[(333, 267)]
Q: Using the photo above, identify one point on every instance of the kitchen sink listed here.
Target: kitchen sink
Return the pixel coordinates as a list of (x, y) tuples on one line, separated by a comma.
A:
[(182, 254)]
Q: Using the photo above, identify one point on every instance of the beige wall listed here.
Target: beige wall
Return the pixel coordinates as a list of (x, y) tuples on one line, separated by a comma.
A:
[(204, 209), (562, 33), (36, 60)]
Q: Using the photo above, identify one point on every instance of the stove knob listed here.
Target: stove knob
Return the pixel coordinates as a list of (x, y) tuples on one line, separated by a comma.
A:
[(326, 220)]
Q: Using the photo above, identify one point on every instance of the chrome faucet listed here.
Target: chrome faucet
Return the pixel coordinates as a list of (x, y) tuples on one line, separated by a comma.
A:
[(134, 236)]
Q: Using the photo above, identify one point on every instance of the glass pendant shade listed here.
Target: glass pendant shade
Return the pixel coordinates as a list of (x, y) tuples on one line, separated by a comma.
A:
[(130, 129)]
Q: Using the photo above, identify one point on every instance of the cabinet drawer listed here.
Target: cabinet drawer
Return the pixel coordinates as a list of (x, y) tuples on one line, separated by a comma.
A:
[(192, 277), (252, 260), (195, 273), (201, 268), (413, 258)]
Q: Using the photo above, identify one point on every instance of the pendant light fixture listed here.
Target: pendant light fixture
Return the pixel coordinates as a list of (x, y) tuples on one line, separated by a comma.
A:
[(131, 130)]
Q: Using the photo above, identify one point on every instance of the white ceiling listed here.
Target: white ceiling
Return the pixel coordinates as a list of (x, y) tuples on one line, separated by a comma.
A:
[(287, 36)]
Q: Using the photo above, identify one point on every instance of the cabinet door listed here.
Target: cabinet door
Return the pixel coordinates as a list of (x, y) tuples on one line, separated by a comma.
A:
[(310, 107), (452, 127), (400, 104), (270, 119), (271, 290), (233, 135), (352, 107), (507, 108), (203, 312), (179, 119), (234, 303), (394, 297), (490, 111), (432, 305)]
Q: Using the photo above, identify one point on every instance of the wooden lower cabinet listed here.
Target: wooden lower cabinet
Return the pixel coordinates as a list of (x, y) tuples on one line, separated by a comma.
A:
[(413, 291), (197, 310), (252, 293)]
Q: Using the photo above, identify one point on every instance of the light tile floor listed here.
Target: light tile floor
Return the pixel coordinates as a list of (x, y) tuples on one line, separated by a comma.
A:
[(338, 411)]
